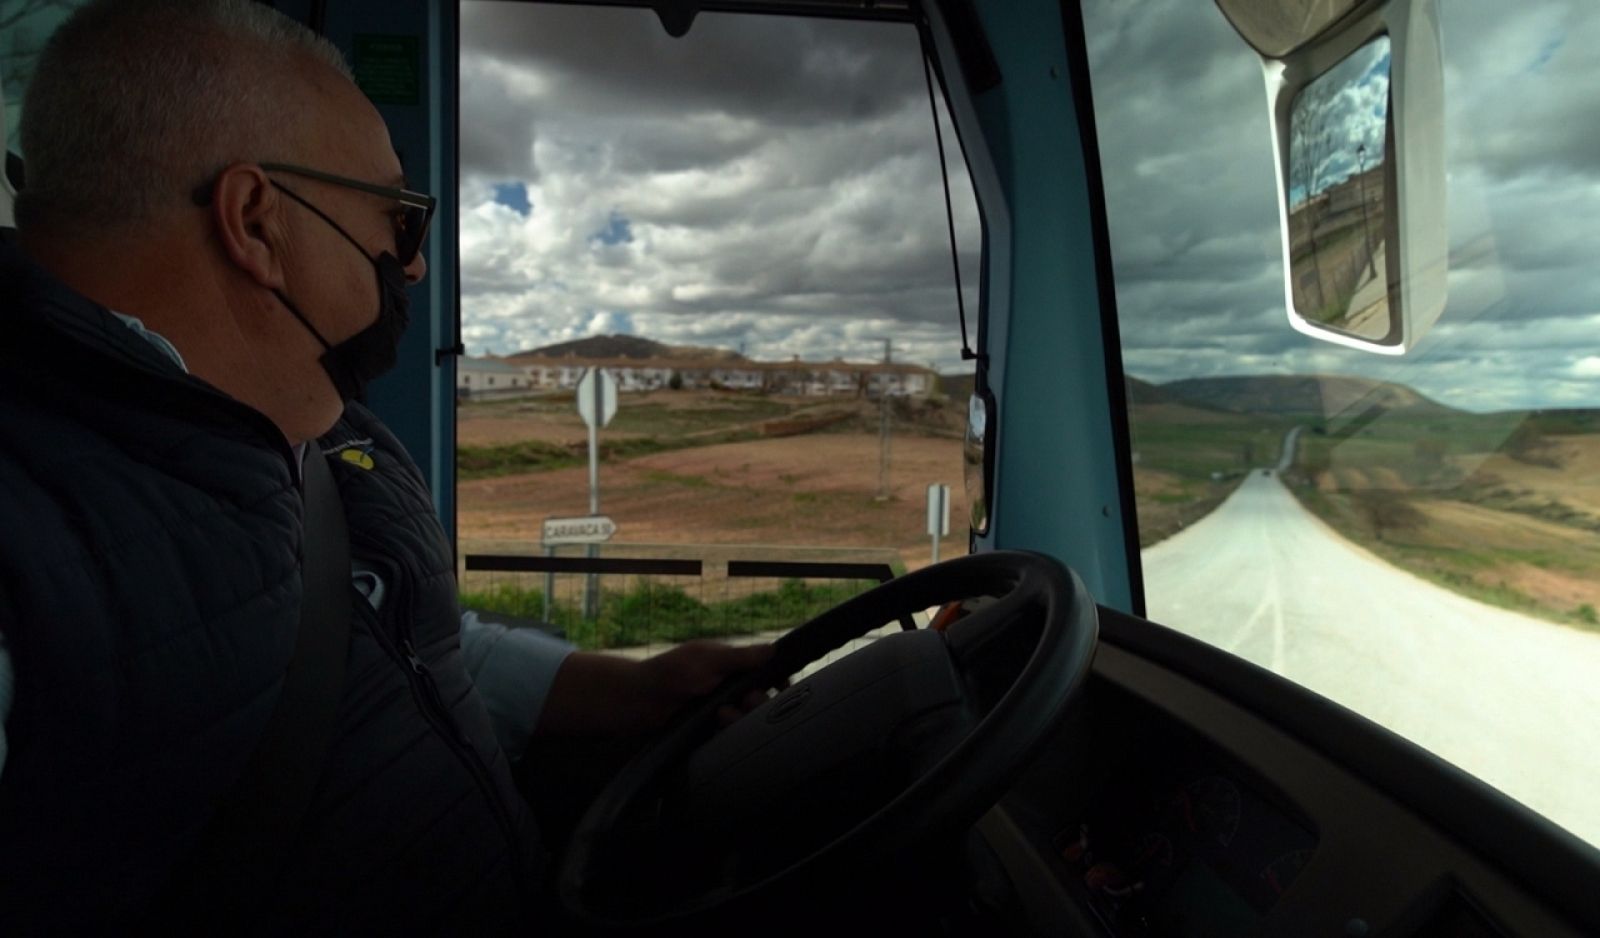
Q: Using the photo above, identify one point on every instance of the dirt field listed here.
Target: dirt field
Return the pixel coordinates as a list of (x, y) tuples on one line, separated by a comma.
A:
[(1167, 503), (1571, 478), (554, 419), (812, 490), (1521, 533), (818, 488)]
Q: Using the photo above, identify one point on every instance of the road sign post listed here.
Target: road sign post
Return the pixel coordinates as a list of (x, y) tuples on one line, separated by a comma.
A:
[(591, 530), (549, 584), (938, 514), (597, 404), (594, 529)]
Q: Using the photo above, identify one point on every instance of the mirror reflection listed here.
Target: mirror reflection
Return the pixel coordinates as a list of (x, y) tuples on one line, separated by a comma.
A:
[(1338, 233), (972, 452)]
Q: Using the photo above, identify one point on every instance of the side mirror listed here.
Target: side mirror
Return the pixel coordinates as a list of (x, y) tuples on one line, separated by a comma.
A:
[(8, 195), (1355, 96), (977, 459)]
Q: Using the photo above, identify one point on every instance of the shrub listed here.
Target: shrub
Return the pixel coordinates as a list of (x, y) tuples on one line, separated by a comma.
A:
[(658, 612), (506, 598)]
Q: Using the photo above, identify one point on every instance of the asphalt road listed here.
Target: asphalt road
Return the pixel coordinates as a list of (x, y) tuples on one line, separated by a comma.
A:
[(1511, 699)]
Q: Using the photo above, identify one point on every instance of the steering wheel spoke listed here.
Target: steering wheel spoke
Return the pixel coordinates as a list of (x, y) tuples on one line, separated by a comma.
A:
[(987, 622), (858, 765)]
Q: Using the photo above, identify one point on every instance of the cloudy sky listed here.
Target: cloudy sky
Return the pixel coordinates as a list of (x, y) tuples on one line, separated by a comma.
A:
[(762, 184), (773, 186), (1181, 111), (1338, 122)]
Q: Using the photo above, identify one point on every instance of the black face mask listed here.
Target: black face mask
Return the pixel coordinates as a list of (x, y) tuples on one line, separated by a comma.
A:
[(355, 362)]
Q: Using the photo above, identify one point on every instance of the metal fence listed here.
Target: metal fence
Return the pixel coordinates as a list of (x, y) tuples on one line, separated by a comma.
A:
[(644, 598)]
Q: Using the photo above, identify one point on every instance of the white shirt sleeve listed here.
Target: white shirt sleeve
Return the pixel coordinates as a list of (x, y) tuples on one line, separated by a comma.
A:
[(513, 670)]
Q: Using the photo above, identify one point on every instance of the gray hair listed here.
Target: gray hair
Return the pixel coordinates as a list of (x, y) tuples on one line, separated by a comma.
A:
[(135, 103)]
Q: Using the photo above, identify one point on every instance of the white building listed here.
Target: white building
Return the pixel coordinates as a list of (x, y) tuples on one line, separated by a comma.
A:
[(836, 378), (482, 378)]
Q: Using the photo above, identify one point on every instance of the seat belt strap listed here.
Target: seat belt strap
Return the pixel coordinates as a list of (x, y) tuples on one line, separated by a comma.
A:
[(251, 833)]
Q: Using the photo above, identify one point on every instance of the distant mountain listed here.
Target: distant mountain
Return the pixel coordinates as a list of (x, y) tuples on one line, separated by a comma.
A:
[(1139, 391), (624, 346), (1327, 395), (1143, 392)]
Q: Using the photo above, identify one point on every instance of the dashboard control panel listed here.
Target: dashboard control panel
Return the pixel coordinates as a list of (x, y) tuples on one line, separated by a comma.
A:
[(1178, 842)]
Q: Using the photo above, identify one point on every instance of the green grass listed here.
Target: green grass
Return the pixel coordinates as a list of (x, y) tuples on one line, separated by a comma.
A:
[(1210, 457), (662, 420), (1196, 501), (1225, 445), (1565, 422), (477, 462), (1417, 448), (654, 612)]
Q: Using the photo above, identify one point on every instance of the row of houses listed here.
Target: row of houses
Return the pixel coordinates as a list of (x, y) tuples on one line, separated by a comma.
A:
[(507, 377)]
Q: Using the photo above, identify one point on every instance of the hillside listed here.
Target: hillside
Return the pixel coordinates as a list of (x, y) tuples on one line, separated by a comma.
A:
[(1139, 391), (1324, 395), (623, 346), (1143, 392)]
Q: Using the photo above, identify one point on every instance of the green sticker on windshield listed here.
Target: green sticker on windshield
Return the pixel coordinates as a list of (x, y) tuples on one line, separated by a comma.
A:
[(389, 69)]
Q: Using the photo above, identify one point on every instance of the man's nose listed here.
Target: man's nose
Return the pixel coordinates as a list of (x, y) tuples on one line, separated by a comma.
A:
[(416, 270)]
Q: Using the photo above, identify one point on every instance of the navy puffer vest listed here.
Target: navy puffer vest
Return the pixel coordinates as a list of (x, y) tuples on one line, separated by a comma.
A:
[(149, 595)]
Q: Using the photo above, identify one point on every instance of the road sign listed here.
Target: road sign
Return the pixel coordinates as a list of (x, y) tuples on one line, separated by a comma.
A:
[(594, 529), (938, 510), (938, 515), (597, 396)]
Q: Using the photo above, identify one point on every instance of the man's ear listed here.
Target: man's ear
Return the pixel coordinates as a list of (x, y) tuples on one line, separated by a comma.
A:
[(246, 209)]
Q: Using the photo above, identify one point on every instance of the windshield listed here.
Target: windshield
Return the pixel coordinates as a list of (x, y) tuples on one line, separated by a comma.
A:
[(1413, 537), (744, 229)]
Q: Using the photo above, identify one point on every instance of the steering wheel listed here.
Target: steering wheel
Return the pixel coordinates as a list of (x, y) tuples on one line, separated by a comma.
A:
[(849, 771)]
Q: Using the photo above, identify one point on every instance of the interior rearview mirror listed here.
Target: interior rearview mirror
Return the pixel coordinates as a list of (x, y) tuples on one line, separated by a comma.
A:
[(1356, 108), (1338, 151)]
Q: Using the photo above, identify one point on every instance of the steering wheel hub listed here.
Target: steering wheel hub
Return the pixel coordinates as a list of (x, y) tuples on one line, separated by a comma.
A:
[(850, 771)]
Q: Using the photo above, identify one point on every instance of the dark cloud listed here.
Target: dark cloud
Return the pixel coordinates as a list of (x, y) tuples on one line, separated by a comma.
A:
[(1190, 188), (781, 192), (1518, 83), (778, 177), (497, 141), (779, 71)]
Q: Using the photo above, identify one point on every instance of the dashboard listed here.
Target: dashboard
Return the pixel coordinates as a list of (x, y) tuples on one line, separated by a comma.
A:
[(1178, 842), (1165, 809)]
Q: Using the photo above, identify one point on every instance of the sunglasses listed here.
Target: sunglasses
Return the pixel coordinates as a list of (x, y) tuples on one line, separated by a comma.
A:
[(411, 225)]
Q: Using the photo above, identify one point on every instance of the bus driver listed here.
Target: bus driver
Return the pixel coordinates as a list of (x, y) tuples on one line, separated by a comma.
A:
[(215, 249)]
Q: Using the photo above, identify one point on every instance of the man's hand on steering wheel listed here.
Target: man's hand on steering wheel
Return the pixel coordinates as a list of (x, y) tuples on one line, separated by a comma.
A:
[(599, 695)]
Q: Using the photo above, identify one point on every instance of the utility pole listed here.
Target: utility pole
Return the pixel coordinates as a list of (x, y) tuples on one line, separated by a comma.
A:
[(1361, 184), (883, 427)]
